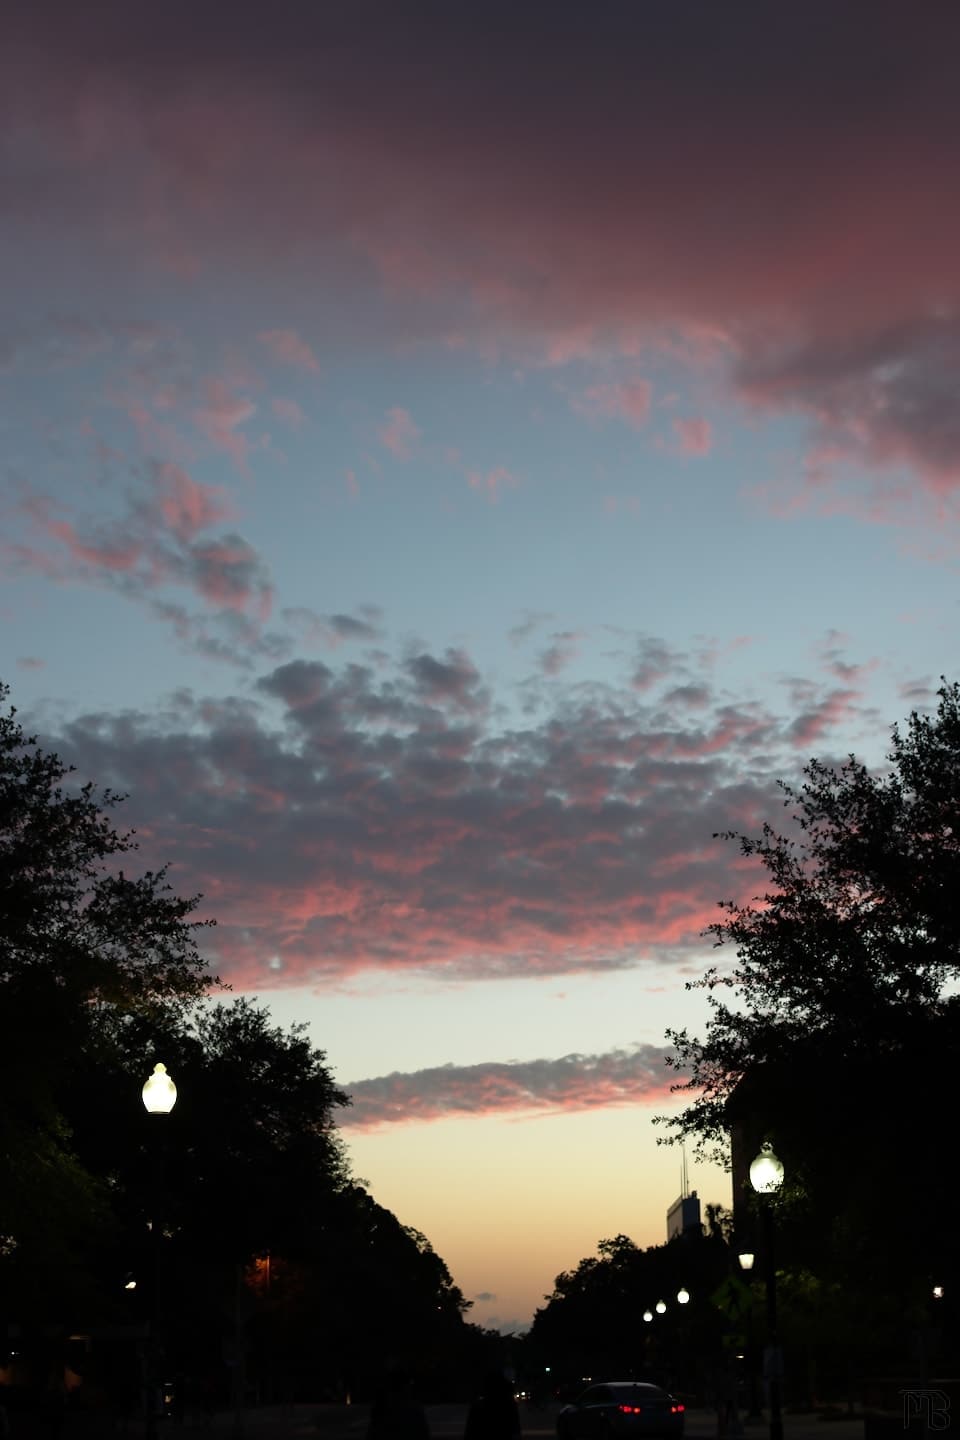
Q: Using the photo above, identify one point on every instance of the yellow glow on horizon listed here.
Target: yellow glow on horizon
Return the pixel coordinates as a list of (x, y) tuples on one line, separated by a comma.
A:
[(527, 1198)]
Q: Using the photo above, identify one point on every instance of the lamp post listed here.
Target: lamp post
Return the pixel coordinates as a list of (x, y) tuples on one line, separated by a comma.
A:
[(653, 1341), (766, 1177), (159, 1097), (745, 1260), (683, 1344)]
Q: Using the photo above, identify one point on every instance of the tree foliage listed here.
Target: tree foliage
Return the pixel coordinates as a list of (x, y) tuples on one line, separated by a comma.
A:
[(80, 941), (101, 976), (67, 913), (833, 1031), (592, 1322)]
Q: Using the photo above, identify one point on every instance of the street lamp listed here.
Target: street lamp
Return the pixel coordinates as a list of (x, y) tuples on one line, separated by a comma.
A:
[(660, 1307), (159, 1097), (683, 1296), (766, 1177), (159, 1092)]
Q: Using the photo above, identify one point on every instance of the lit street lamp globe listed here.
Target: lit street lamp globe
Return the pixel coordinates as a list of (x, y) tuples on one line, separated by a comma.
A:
[(159, 1093), (648, 1316), (766, 1171), (660, 1306), (746, 1259), (683, 1296)]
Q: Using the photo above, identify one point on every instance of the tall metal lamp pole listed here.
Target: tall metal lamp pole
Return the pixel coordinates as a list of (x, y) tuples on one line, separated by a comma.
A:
[(745, 1260), (766, 1177), (159, 1097)]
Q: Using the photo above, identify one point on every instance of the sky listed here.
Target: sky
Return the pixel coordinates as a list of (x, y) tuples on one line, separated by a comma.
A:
[(454, 460)]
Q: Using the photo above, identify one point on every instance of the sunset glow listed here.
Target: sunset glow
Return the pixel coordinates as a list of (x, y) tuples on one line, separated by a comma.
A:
[(455, 462)]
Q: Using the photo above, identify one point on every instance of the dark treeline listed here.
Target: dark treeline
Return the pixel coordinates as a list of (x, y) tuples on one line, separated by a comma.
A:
[(833, 1033), (232, 1227)]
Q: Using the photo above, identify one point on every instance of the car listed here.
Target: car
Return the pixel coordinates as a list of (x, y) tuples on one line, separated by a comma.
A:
[(621, 1410)]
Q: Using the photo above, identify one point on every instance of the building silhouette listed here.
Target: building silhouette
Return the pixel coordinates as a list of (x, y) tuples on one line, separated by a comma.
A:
[(684, 1214)]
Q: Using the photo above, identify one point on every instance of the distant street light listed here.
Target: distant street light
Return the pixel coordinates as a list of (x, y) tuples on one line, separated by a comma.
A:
[(745, 1260), (766, 1177), (648, 1316), (660, 1306), (683, 1296)]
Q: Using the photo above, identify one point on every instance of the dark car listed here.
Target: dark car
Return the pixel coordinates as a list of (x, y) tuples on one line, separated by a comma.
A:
[(621, 1408)]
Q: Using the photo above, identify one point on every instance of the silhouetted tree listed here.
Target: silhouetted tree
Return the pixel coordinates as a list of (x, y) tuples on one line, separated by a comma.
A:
[(592, 1324), (80, 940), (838, 1040), (100, 976)]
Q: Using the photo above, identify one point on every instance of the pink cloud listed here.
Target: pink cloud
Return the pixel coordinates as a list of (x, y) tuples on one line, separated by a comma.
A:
[(603, 224), (822, 716), (390, 821), (563, 649), (695, 435), (154, 542), (220, 418), (638, 1076), (119, 554), (188, 506), (399, 433), (627, 400), (577, 343), (287, 347), (227, 572)]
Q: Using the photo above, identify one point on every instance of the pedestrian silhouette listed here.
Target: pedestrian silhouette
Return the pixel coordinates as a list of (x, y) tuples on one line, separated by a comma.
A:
[(493, 1414), (397, 1413)]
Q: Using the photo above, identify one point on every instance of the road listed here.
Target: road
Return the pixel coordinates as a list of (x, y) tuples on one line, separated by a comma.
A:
[(341, 1422)]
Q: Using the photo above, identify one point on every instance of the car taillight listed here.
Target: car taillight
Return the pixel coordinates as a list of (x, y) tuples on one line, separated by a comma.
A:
[(630, 1409), (677, 1409)]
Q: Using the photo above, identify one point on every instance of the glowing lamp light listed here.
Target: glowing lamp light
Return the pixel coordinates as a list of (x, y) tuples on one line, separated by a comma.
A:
[(683, 1296), (159, 1093), (648, 1316), (746, 1259), (766, 1171), (938, 1292), (130, 1284), (660, 1306)]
